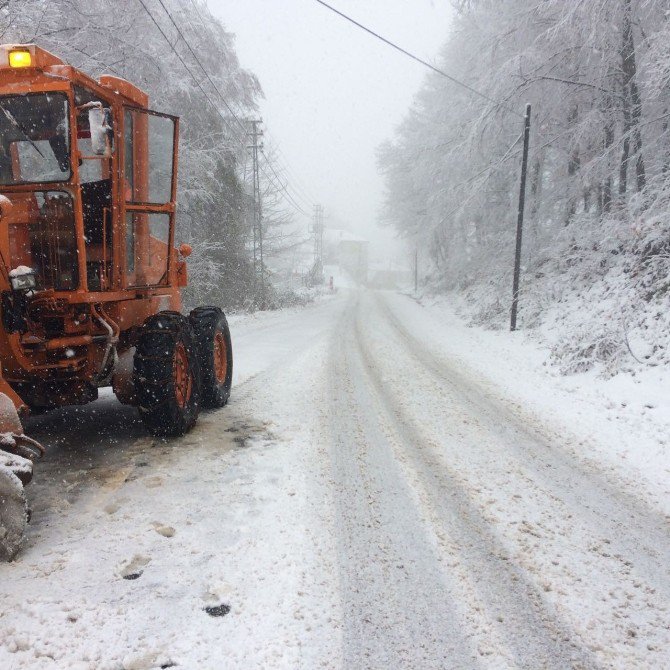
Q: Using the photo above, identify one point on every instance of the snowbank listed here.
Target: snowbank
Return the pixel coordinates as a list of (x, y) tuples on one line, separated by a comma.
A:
[(622, 420)]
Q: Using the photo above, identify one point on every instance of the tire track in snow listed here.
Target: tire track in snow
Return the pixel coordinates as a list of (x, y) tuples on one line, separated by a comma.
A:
[(516, 610), (637, 533), (608, 597), (392, 582)]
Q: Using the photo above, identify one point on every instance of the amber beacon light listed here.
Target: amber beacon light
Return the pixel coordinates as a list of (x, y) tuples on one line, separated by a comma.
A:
[(20, 58)]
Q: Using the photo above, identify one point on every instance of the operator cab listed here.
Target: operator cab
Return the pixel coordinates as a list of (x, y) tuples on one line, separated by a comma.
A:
[(89, 171)]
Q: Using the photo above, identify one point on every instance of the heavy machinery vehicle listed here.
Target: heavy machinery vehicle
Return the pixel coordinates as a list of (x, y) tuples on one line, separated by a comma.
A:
[(90, 277)]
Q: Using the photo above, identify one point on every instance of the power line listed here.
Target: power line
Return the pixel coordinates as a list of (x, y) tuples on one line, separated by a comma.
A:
[(417, 59), (194, 4), (204, 92), (279, 185), (286, 176), (211, 81), (202, 67), (308, 197), (188, 69), (195, 56), (197, 11), (288, 195), (285, 167), (223, 99)]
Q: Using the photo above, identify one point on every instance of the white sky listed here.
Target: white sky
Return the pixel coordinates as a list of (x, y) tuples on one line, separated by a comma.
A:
[(333, 93)]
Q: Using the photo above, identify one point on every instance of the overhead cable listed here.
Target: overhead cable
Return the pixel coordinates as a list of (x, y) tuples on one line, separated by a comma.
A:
[(418, 60), (204, 92)]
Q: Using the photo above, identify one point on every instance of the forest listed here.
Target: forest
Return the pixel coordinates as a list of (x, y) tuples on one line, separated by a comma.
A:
[(595, 262)]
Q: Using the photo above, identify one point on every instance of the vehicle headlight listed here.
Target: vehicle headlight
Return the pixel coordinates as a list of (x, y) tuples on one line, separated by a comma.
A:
[(20, 58), (23, 279)]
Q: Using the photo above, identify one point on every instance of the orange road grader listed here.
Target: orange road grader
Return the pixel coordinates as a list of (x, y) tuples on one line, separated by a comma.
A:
[(90, 276)]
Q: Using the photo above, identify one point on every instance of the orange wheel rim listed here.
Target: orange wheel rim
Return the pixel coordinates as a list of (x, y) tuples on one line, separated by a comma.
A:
[(220, 357), (183, 380)]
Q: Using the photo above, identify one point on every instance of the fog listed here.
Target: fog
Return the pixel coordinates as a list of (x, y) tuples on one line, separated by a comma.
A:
[(333, 93)]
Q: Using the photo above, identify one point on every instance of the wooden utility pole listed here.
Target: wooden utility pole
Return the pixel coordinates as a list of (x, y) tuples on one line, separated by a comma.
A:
[(318, 234), (317, 231), (259, 268), (416, 270), (519, 221)]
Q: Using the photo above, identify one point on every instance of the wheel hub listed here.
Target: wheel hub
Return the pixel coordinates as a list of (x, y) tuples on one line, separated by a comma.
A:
[(220, 357), (183, 379)]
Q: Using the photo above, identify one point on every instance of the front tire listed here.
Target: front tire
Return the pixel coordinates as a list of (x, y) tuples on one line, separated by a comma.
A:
[(13, 514), (215, 354), (166, 375)]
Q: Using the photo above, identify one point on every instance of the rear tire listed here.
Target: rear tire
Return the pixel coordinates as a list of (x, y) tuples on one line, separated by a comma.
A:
[(166, 375), (215, 354)]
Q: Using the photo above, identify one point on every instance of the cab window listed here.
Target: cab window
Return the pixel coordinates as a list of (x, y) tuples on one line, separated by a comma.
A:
[(95, 169)]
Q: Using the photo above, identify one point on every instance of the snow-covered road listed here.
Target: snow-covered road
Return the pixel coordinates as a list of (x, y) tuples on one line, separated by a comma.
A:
[(367, 500)]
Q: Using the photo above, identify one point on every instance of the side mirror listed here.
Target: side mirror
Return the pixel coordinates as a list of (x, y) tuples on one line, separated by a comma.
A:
[(185, 250), (101, 131)]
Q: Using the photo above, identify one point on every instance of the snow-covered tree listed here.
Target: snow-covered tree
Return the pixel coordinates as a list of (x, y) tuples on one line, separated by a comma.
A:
[(597, 75)]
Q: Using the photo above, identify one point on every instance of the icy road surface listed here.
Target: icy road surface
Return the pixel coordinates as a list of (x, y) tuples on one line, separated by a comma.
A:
[(367, 500)]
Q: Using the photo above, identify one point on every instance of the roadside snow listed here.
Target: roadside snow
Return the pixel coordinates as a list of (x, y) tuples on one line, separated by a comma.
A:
[(134, 538), (622, 422)]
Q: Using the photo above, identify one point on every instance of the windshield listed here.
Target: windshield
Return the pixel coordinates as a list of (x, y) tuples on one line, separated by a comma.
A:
[(34, 138)]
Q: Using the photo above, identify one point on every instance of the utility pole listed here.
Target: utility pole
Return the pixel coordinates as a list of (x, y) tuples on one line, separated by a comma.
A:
[(317, 231), (416, 270), (519, 222), (259, 268)]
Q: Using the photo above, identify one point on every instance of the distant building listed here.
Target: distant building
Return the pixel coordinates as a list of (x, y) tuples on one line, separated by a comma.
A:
[(354, 259), (348, 251)]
